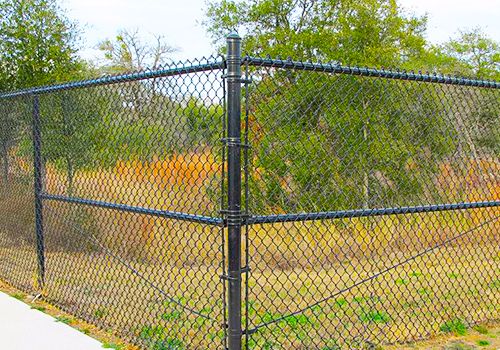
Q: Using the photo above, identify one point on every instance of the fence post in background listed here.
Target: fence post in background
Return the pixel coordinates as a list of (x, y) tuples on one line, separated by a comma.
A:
[(234, 213), (38, 173)]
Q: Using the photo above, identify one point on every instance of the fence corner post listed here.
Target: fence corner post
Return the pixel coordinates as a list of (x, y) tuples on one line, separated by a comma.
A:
[(234, 213), (38, 189)]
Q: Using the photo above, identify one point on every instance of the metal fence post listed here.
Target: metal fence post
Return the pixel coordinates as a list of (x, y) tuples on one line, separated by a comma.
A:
[(234, 213), (38, 171)]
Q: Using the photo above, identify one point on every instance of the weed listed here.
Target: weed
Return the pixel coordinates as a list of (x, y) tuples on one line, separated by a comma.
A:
[(374, 316), (415, 274), (481, 329), (18, 296), (456, 326), (483, 343), (64, 319), (402, 282), (99, 313), (171, 316), (112, 346), (340, 302), (495, 284), (39, 308), (453, 275), (297, 320)]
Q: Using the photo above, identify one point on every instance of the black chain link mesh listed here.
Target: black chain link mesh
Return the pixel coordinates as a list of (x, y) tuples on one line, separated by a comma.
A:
[(353, 181), (372, 200), (131, 195)]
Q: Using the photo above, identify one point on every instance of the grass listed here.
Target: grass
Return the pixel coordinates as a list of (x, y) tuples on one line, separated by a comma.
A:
[(293, 265), (483, 343), (455, 326), (481, 329), (64, 319)]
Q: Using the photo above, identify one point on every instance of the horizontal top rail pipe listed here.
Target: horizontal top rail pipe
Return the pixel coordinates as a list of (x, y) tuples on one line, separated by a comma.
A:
[(137, 210), (357, 213), (114, 79), (368, 72)]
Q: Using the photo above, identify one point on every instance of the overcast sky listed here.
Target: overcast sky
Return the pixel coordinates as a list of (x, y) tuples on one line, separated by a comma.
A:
[(180, 20)]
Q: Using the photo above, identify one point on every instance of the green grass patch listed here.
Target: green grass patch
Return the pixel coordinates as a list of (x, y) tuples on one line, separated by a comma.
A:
[(402, 282), (171, 316), (483, 343), (112, 346), (64, 319), (455, 326), (18, 296), (99, 313), (374, 316), (481, 329), (39, 308)]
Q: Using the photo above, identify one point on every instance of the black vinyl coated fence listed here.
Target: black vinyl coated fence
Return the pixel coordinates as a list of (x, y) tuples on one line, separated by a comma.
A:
[(256, 203)]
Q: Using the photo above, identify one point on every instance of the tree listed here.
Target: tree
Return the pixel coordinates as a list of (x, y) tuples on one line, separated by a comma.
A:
[(474, 55), (128, 52), (367, 32), (37, 44), (37, 47), (325, 142)]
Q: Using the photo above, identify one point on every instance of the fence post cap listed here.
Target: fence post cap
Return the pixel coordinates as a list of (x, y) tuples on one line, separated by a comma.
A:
[(233, 36)]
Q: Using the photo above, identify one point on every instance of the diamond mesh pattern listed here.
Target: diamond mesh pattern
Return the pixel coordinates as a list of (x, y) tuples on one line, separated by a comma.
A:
[(371, 203), (347, 247), (131, 196)]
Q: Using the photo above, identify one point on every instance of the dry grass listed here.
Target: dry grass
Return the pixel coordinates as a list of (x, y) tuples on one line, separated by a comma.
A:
[(126, 272)]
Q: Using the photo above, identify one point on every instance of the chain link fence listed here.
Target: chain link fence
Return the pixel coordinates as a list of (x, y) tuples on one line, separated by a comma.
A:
[(257, 203)]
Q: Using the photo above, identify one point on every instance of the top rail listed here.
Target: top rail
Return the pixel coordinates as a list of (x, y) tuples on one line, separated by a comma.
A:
[(368, 72), (220, 63), (122, 78)]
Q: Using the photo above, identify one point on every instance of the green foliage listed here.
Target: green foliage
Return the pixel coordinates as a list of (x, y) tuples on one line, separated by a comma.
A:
[(483, 343), (374, 316), (474, 55), (39, 308), (368, 32), (64, 319), (456, 326), (481, 329), (317, 137), (37, 44)]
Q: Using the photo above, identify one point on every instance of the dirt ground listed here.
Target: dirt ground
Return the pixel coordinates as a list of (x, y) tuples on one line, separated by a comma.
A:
[(485, 337), (480, 337)]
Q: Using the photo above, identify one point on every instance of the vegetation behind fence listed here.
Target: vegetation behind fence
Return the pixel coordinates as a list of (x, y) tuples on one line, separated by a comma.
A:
[(258, 203)]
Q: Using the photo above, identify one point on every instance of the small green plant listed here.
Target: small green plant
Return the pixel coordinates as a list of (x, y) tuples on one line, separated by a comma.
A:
[(18, 296), (297, 320), (64, 319), (112, 346), (374, 316), (483, 343), (415, 274), (340, 302), (495, 284), (481, 329), (39, 308), (171, 316), (456, 326), (453, 275), (99, 313), (402, 282)]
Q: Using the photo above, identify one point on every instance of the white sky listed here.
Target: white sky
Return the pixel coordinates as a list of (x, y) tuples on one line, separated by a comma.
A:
[(180, 20)]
